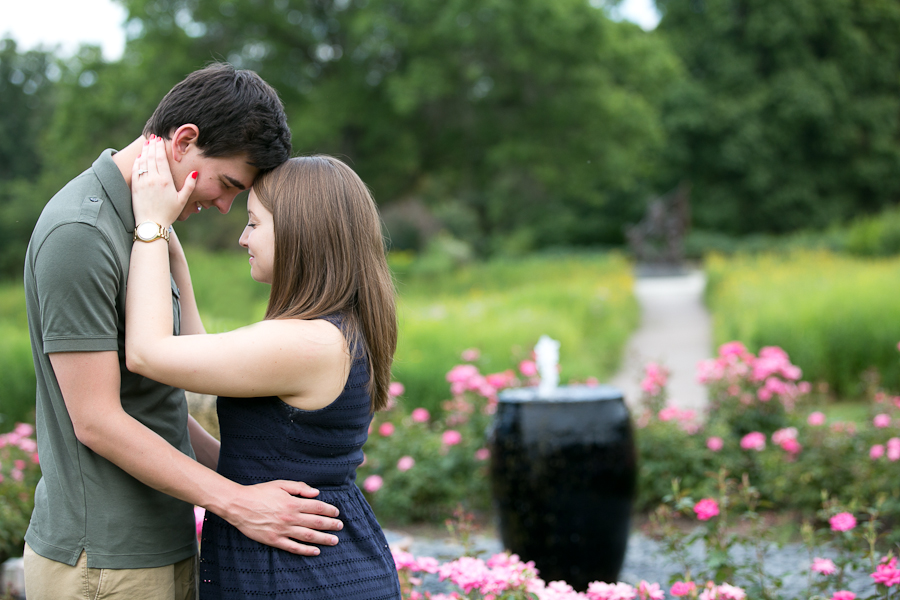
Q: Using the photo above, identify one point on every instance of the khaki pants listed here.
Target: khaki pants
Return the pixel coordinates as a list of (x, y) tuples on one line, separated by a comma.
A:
[(47, 579)]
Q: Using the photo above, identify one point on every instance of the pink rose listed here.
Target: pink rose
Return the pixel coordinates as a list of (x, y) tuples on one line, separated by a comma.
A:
[(893, 449), (824, 566), (498, 381), (843, 595), (528, 368), (876, 451), (669, 413), (462, 374), (715, 443), (842, 522), (199, 514), (451, 437), (728, 592), (887, 573), (19, 464), (597, 590), (791, 446), (471, 354), (732, 349), (482, 454), (650, 591), (386, 429), (405, 463), (706, 509), (682, 588), (815, 419), (23, 430), (788, 433), (420, 415), (881, 421), (396, 389), (373, 483), (403, 560), (754, 441)]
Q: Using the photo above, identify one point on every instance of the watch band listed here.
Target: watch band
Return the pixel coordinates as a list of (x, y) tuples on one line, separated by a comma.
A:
[(159, 232)]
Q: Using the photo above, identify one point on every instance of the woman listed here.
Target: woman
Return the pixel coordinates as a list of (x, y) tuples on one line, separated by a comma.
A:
[(297, 390)]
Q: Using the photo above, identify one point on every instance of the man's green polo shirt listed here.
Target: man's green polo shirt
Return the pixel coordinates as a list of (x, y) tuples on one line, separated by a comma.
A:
[(75, 274)]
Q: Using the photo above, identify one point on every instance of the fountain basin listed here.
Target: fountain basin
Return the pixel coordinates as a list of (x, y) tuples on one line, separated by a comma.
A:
[(563, 475)]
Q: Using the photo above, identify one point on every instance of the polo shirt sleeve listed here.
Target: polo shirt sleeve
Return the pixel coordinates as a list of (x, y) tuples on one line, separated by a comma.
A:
[(78, 277)]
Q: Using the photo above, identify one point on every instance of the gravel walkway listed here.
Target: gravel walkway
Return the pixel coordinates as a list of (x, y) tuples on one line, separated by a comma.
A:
[(646, 559), (676, 330)]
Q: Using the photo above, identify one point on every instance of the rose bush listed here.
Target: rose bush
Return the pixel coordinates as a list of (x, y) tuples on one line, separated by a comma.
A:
[(762, 422), (19, 474)]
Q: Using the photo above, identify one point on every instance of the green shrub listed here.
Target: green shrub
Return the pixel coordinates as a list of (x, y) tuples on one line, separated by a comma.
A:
[(877, 235)]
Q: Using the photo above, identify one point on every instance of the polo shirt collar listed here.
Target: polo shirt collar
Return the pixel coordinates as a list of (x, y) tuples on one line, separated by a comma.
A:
[(115, 187)]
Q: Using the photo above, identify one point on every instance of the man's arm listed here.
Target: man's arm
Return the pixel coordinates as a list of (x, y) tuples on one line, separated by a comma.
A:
[(268, 513)]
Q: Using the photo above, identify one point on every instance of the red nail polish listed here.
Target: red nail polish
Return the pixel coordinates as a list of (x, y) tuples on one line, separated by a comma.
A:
[(195, 174)]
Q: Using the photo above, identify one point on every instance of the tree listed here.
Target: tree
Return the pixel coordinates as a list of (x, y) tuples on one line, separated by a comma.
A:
[(27, 95), (790, 116), (522, 123)]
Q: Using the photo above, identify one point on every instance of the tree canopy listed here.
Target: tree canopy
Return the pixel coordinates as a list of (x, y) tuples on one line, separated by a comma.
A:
[(790, 115), (511, 124)]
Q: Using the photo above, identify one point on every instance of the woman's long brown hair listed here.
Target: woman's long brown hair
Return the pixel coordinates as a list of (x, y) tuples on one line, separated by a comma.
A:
[(330, 258)]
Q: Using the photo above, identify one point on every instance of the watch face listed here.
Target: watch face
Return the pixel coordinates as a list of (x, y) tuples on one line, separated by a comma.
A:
[(147, 231)]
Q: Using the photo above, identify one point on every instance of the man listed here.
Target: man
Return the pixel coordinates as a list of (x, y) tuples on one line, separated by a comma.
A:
[(113, 513)]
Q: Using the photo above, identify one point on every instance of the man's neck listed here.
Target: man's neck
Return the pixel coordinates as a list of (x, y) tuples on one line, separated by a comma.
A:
[(125, 158)]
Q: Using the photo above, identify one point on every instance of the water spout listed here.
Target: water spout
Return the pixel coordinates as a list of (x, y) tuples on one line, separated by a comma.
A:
[(546, 353)]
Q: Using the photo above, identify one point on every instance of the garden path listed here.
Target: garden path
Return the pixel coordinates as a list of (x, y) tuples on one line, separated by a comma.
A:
[(675, 330)]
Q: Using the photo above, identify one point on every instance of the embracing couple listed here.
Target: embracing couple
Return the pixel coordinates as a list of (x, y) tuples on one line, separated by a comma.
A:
[(123, 462)]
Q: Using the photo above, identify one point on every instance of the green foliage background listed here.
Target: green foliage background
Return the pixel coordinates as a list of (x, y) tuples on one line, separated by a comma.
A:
[(501, 306), (790, 115)]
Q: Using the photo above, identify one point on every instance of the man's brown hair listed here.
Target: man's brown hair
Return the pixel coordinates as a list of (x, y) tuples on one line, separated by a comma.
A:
[(236, 112)]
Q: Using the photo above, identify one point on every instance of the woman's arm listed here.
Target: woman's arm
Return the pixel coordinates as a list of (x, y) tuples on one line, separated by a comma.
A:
[(191, 324), (303, 362)]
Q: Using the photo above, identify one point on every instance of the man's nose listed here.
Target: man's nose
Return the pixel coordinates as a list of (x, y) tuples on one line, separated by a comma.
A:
[(223, 203)]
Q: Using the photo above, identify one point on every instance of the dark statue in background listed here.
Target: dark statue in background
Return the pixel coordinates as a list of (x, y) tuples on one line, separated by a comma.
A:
[(657, 241)]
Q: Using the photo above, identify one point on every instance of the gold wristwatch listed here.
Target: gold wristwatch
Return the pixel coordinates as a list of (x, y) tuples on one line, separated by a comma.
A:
[(149, 231)]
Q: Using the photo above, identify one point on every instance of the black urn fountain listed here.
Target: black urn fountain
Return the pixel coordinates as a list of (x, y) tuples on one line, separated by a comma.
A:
[(563, 474)]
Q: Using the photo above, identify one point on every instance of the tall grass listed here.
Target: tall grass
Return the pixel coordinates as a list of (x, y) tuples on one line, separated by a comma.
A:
[(501, 308), (836, 316)]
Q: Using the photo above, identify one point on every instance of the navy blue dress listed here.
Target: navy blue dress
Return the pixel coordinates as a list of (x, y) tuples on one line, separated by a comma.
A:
[(265, 439)]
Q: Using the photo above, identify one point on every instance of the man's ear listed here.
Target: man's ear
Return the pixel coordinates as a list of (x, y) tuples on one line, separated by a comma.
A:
[(182, 140)]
